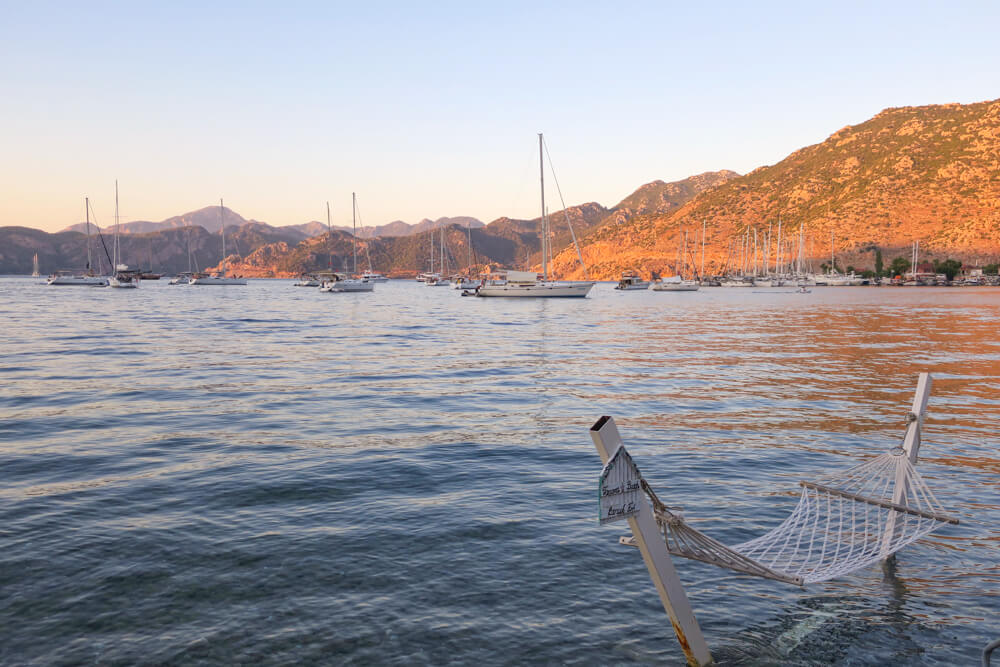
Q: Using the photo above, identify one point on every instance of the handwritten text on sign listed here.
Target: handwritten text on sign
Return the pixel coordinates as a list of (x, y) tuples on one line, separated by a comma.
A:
[(620, 488)]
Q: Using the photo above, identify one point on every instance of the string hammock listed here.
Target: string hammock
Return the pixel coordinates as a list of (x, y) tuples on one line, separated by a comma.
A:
[(843, 522)]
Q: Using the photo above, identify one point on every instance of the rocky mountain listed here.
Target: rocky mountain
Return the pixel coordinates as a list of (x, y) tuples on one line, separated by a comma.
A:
[(659, 198), (162, 251), (400, 228), (208, 218), (306, 229), (929, 173), (55, 251)]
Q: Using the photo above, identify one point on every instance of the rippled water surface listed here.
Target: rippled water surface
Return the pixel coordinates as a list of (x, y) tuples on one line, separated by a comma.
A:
[(270, 474)]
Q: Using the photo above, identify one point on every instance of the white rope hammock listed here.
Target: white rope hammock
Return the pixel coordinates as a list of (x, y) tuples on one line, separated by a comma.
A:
[(843, 522)]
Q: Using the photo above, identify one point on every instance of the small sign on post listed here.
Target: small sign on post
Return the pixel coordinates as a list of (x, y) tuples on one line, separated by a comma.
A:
[(620, 471), (619, 488)]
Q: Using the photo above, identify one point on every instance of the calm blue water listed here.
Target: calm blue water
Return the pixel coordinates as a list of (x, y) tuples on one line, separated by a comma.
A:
[(269, 474)]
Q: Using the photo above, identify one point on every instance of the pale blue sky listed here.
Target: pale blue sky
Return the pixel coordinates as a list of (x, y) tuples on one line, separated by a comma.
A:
[(428, 111)]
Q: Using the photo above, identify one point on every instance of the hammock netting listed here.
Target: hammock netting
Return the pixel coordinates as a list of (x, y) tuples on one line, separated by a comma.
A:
[(843, 522)]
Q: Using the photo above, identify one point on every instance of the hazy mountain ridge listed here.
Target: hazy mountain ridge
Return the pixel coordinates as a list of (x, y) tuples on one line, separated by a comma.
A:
[(208, 218)]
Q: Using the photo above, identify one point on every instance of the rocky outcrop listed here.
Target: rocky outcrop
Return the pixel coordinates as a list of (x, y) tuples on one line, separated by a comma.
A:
[(915, 173)]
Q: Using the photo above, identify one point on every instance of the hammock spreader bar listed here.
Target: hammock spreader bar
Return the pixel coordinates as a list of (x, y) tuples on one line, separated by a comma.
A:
[(880, 503)]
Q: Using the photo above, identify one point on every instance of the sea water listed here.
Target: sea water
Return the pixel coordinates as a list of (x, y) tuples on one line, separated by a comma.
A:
[(271, 474)]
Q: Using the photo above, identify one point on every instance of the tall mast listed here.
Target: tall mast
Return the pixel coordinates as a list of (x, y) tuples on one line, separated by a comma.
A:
[(222, 219), (833, 262), (778, 268), (684, 252), (767, 251), (746, 252), (702, 273), (545, 230), (468, 226), (89, 258), (802, 246), (117, 247), (443, 270), (329, 234), (354, 225)]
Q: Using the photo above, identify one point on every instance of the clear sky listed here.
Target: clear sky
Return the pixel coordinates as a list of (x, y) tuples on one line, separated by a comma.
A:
[(432, 109)]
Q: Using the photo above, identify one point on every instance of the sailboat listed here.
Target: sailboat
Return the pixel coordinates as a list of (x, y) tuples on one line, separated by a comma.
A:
[(374, 277), (121, 276), (35, 273), (370, 275), (149, 275), (315, 279), (429, 276), (86, 278), (339, 282), (307, 280), (631, 280), (438, 279), (184, 278), (220, 279), (526, 283), (677, 283), (467, 282)]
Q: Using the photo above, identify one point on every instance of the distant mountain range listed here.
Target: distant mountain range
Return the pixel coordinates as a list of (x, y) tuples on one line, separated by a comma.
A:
[(400, 228), (210, 220)]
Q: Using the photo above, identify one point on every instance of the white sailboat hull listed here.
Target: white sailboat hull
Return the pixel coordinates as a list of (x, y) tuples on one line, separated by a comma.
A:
[(543, 289), (217, 281), (85, 281), (349, 285), (123, 284), (675, 287), (639, 285)]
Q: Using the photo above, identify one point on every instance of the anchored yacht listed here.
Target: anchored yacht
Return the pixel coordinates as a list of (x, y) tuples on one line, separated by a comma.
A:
[(631, 280), (526, 283), (221, 278)]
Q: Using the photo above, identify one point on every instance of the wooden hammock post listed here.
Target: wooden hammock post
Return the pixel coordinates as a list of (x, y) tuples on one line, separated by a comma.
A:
[(911, 447), (651, 544)]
